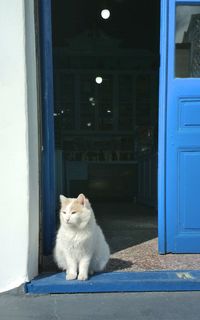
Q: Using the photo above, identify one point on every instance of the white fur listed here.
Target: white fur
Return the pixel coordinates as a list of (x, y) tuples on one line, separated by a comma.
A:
[(81, 248)]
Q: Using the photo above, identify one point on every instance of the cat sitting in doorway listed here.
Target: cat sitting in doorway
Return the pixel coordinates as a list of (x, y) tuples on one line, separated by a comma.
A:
[(81, 248)]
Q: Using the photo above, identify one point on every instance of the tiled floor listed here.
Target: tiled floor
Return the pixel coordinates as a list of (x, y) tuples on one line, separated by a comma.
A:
[(131, 232)]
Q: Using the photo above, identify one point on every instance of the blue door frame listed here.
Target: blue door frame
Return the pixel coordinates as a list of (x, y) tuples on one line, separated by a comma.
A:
[(48, 149), (48, 155), (162, 128)]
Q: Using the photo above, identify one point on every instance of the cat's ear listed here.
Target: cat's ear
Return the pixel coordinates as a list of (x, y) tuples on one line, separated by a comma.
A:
[(87, 203), (81, 199), (63, 200)]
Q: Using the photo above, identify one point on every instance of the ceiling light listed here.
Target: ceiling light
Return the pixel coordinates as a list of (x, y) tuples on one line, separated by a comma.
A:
[(105, 14), (99, 80)]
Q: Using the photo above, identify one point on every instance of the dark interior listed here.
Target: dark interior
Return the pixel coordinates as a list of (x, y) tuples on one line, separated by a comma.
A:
[(106, 76)]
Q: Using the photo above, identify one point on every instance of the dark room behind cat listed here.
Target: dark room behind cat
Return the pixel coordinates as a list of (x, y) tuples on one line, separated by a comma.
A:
[(105, 115)]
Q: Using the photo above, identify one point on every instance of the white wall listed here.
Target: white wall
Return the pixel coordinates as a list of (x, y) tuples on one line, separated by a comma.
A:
[(19, 204)]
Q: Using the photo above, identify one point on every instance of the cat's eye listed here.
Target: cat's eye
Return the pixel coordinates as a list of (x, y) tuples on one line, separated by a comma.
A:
[(73, 212), (64, 212)]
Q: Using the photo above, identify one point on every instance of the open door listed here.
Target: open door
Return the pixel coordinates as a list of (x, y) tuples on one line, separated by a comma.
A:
[(182, 170), (179, 127)]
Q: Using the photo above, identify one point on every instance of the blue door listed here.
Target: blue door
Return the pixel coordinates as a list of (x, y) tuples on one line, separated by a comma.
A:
[(181, 31)]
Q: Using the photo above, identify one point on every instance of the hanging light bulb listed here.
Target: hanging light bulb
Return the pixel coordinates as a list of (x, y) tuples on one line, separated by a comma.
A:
[(99, 80), (105, 14)]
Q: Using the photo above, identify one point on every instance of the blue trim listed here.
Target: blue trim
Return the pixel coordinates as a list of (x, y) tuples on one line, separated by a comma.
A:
[(48, 165), (117, 282), (172, 189), (188, 2), (162, 129)]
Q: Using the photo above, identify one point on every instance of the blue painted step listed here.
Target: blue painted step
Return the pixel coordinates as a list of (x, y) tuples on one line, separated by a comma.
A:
[(185, 280)]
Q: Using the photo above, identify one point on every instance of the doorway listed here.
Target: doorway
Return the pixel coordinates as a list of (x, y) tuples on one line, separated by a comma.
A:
[(106, 78), (106, 115)]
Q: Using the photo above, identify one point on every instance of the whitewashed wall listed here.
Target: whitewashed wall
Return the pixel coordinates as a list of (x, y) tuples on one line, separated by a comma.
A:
[(19, 201)]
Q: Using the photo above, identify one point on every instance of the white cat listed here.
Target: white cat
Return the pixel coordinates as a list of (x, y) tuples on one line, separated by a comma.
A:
[(81, 248)]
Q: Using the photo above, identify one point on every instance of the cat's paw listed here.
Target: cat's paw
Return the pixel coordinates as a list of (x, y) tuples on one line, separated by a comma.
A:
[(82, 277), (71, 276)]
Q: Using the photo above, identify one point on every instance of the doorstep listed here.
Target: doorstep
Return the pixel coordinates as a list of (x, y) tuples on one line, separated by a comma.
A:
[(176, 280)]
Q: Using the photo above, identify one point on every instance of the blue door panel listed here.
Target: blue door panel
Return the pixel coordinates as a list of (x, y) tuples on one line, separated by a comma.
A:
[(189, 113), (189, 186), (182, 152)]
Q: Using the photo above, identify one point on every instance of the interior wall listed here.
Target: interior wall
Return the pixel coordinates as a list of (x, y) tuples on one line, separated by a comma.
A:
[(19, 210)]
